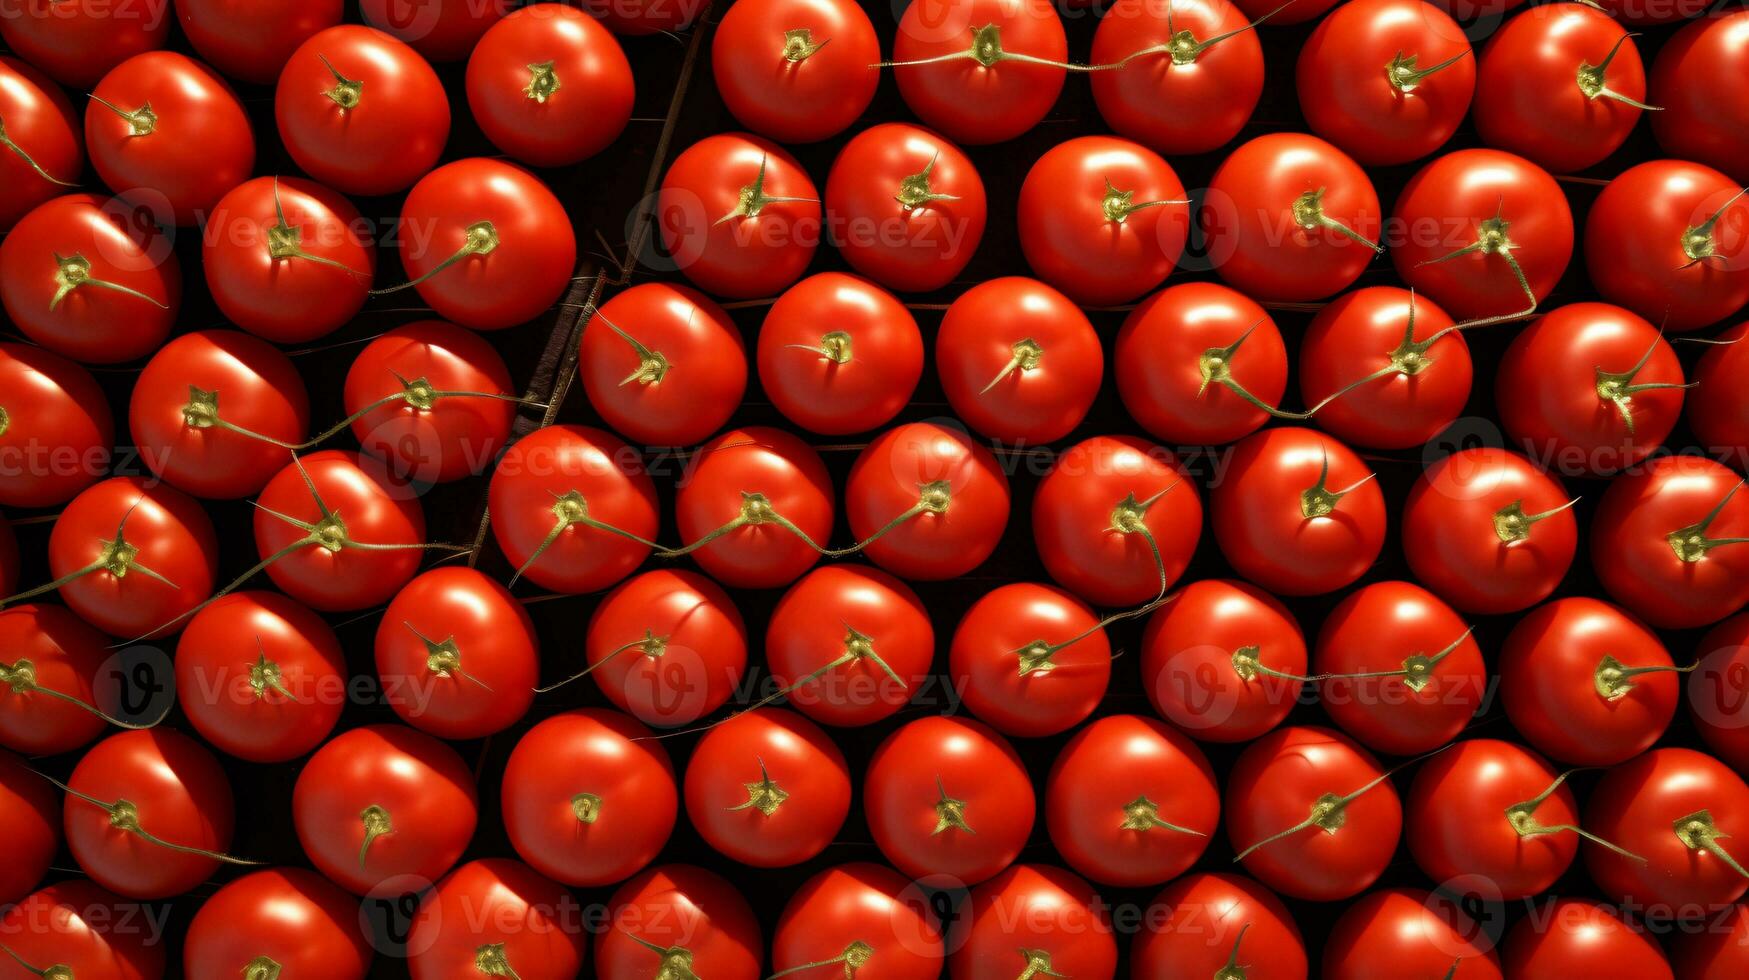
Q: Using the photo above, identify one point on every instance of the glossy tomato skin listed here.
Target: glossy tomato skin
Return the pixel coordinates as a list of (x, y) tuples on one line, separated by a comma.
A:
[(175, 539), (1635, 248), (811, 627), (1574, 936), (833, 393), (1718, 953), (78, 43), (886, 480), (910, 247), (1645, 805), (249, 636), (251, 41), (58, 431), (118, 244), (1054, 917), (394, 133), (1716, 691), (40, 121), (1003, 393), (1206, 913), (496, 646), (1463, 839), (77, 925), (728, 247), (1632, 543), (30, 808), (65, 655), (528, 919), (964, 99), (442, 31), (1159, 355), (1718, 410), (1408, 932), (1170, 108), (726, 798), (698, 657), (1188, 648), (589, 752), (714, 488), (293, 917), (988, 660), (589, 100), (844, 904), (780, 88), (932, 757), (703, 370), (679, 905), (1360, 334), (1700, 121)]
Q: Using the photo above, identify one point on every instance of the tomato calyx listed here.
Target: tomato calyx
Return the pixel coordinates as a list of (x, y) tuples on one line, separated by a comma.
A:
[(19, 677), (59, 971), (1692, 544), (855, 956), (1143, 814), (1027, 355), (756, 511), (650, 645), (1319, 501), (116, 557), (799, 46), (202, 412), (1038, 964), (1618, 387), (676, 960), (262, 968), (1232, 970), (1493, 238), (5, 420), (1118, 205), (834, 347), (490, 960), (572, 508), (1522, 818), (858, 646), (1130, 516), (752, 199), (652, 366), (1216, 366), (542, 82), (141, 122), (586, 807), (915, 192), (73, 271), (1594, 83), (1248, 664), (1614, 679), (765, 795), (1329, 813), (376, 823), (1512, 524), (347, 92), (1183, 47), (6, 142), (949, 812), (1699, 833), (265, 675), (418, 394), (444, 659), (125, 817), (1308, 212), (986, 49), (1406, 75), (481, 239), (286, 242), (1698, 242)]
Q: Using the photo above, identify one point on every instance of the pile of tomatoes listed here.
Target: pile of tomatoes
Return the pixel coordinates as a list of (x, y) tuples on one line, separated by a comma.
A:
[(943, 569)]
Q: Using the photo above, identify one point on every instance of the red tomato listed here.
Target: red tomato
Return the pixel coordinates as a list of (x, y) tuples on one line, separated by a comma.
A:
[(948, 797), (864, 913), (43, 136), (739, 216), (589, 797), (668, 646), (1061, 926), (881, 628), (981, 71), (1019, 362), (55, 428), (82, 929), (360, 111), (63, 656), (632, 343), (133, 557), (762, 499), (1677, 811), (1131, 802), (549, 85), (1489, 531), (90, 278), (1666, 239), (852, 378), (1574, 937), (285, 919), (1213, 922), (1383, 368), (1718, 407), (1716, 691), (1662, 541), (249, 40), (78, 42), (905, 207), (457, 655), (28, 808), (937, 500), (287, 259), (133, 787), (1089, 223), (444, 30), (260, 677), (1468, 223), (1195, 359), (767, 788), (496, 917), (675, 919), (796, 70), (1408, 932), (1030, 659), (1290, 217), (1702, 121), (634, 18), (1223, 660), (1717, 953), (1189, 73)]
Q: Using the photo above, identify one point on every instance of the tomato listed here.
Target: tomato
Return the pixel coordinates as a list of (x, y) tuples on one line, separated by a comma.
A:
[(1718, 409), (1672, 809), (937, 500), (444, 30), (90, 278), (861, 912), (677, 919), (1131, 802), (1062, 928), (1215, 922), (1662, 540), (1469, 223), (1290, 217), (1666, 239), (1666, 12), (284, 919), (249, 40), (1030, 659), (563, 501), (852, 378), (260, 677), (1223, 660), (668, 646), (1489, 531), (361, 112), (905, 207), (458, 656), (433, 400), (1404, 112), (636, 339), (28, 805), (638, 17), (1702, 121), (549, 85), (762, 499), (980, 71), (1716, 691), (43, 136), (1185, 83), (1381, 367), (47, 709), (767, 788), (796, 70), (1716, 953), (1019, 362), (1574, 936), (78, 42), (738, 215), (948, 797), (82, 929), (496, 917), (849, 645), (55, 428), (1408, 932), (287, 259)]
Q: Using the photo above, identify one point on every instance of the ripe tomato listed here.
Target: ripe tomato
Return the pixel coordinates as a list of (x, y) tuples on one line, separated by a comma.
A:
[(48, 649), (1290, 217), (762, 499), (133, 787), (668, 646), (1701, 121), (1189, 74), (284, 919), (1406, 111), (572, 508), (90, 278), (549, 85), (863, 912), (361, 112), (43, 137), (1662, 541), (1061, 926), (1717, 953), (1718, 408), (1469, 223), (81, 928), (249, 40), (589, 797), (260, 677), (286, 259), (981, 71), (55, 428), (948, 797), (1666, 239), (634, 340), (935, 502), (1030, 659), (1408, 932), (1573, 936), (852, 378), (1717, 688), (738, 215), (496, 917), (675, 918), (78, 42), (1131, 802), (1019, 362), (796, 70), (880, 630), (1187, 358), (1383, 368), (1672, 808), (30, 807), (767, 788), (1489, 531), (1209, 918), (133, 557), (635, 18), (443, 31), (1102, 219), (1223, 660), (905, 207), (457, 655)]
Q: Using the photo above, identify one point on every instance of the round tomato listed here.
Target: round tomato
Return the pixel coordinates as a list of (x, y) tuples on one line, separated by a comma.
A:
[(767, 788), (675, 919), (1718, 407), (930, 503), (796, 70), (1577, 937), (877, 623), (1702, 121), (48, 701), (1215, 922), (42, 133), (457, 655), (864, 915), (1717, 953), (755, 507), (1187, 75), (1200, 364), (905, 207), (852, 378), (1019, 362), (250, 40), (981, 71), (82, 929), (281, 919), (1061, 926), (442, 31), (738, 216), (55, 428), (668, 646), (29, 808), (1223, 660), (78, 41), (1718, 693), (634, 341), (1675, 812), (1030, 660), (133, 557), (549, 85), (1408, 932), (496, 917), (1666, 541)]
